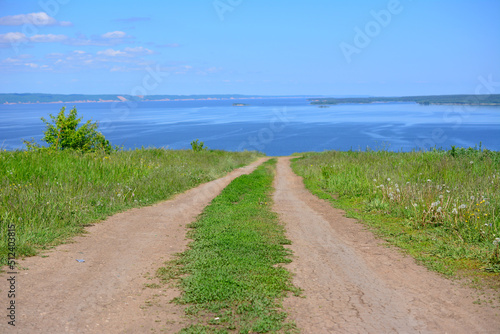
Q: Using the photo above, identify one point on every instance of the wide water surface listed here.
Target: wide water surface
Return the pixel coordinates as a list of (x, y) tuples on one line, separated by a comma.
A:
[(273, 126)]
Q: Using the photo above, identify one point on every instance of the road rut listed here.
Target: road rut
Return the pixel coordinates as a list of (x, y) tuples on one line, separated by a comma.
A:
[(354, 283)]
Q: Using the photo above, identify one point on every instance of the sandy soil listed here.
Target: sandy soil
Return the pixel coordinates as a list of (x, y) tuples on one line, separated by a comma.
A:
[(353, 283), (106, 293)]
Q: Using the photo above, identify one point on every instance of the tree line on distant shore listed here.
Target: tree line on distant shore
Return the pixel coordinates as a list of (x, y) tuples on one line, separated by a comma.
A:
[(486, 99)]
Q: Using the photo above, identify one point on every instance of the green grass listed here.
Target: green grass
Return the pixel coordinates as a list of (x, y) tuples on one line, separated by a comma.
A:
[(231, 270), (442, 207), (51, 195)]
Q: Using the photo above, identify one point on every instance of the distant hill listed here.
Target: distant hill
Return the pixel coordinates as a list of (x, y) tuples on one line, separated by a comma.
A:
[(74, 98), (491, 99)]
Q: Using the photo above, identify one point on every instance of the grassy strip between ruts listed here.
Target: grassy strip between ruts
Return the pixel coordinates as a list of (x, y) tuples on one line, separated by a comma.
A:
[(230, 276), (442, 207), (51, 195)]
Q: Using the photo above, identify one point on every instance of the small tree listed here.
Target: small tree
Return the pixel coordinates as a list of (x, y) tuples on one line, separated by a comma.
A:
[(64, 132)]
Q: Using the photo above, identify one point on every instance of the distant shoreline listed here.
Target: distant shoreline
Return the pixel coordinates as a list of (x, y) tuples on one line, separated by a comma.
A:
[(141, 99), (470, 100)]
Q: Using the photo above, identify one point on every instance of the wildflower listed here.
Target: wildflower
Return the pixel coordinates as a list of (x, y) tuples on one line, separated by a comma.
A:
[(389, 179), (429, 180), (435, 204), (441, 196), (462, 206), (472, 198), (454, 211), (439, 209), (415, 204), (496, 241), (374, 180), (471, 162)]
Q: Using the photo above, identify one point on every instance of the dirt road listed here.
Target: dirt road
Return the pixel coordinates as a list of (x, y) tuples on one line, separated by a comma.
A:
[(354, 284), (106, 294)]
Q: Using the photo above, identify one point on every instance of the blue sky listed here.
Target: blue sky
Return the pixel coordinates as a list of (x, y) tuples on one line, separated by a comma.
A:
[(316, 47)]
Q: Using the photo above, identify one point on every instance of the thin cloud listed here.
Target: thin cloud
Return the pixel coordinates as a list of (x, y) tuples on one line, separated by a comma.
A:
[(106, 39), (18, 38), (171, 45), (133, 19), (139, 51), (114, 34), (12, 38), (112, 53), (50, 38), (37, 19), (127, 52)]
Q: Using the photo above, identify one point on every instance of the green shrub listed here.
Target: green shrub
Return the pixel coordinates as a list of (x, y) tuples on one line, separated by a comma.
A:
[(198, 145), (65, 132)]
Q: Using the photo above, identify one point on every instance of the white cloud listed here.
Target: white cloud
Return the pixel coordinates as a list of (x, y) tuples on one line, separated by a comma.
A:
[(37, 19), (117, 69), (107, 39), (54, 55), (127, 52), (13, 37), (49, 38), (79, 52), (32, 65), (11, 60), (139, 50), (112, 53), (114, 34)]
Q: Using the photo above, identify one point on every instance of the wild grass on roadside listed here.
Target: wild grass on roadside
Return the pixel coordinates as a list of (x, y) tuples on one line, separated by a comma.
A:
[(229, 276), (441, 206), (50, 195)]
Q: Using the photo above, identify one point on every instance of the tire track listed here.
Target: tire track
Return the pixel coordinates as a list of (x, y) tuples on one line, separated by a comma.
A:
[(353, 283)]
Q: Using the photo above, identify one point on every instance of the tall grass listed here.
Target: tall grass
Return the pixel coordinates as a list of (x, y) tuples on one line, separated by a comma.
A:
[(50, 195), (437, 204)]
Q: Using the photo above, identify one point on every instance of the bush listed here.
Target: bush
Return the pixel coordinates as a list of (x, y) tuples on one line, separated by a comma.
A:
[(65, 132), (198, 145)]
